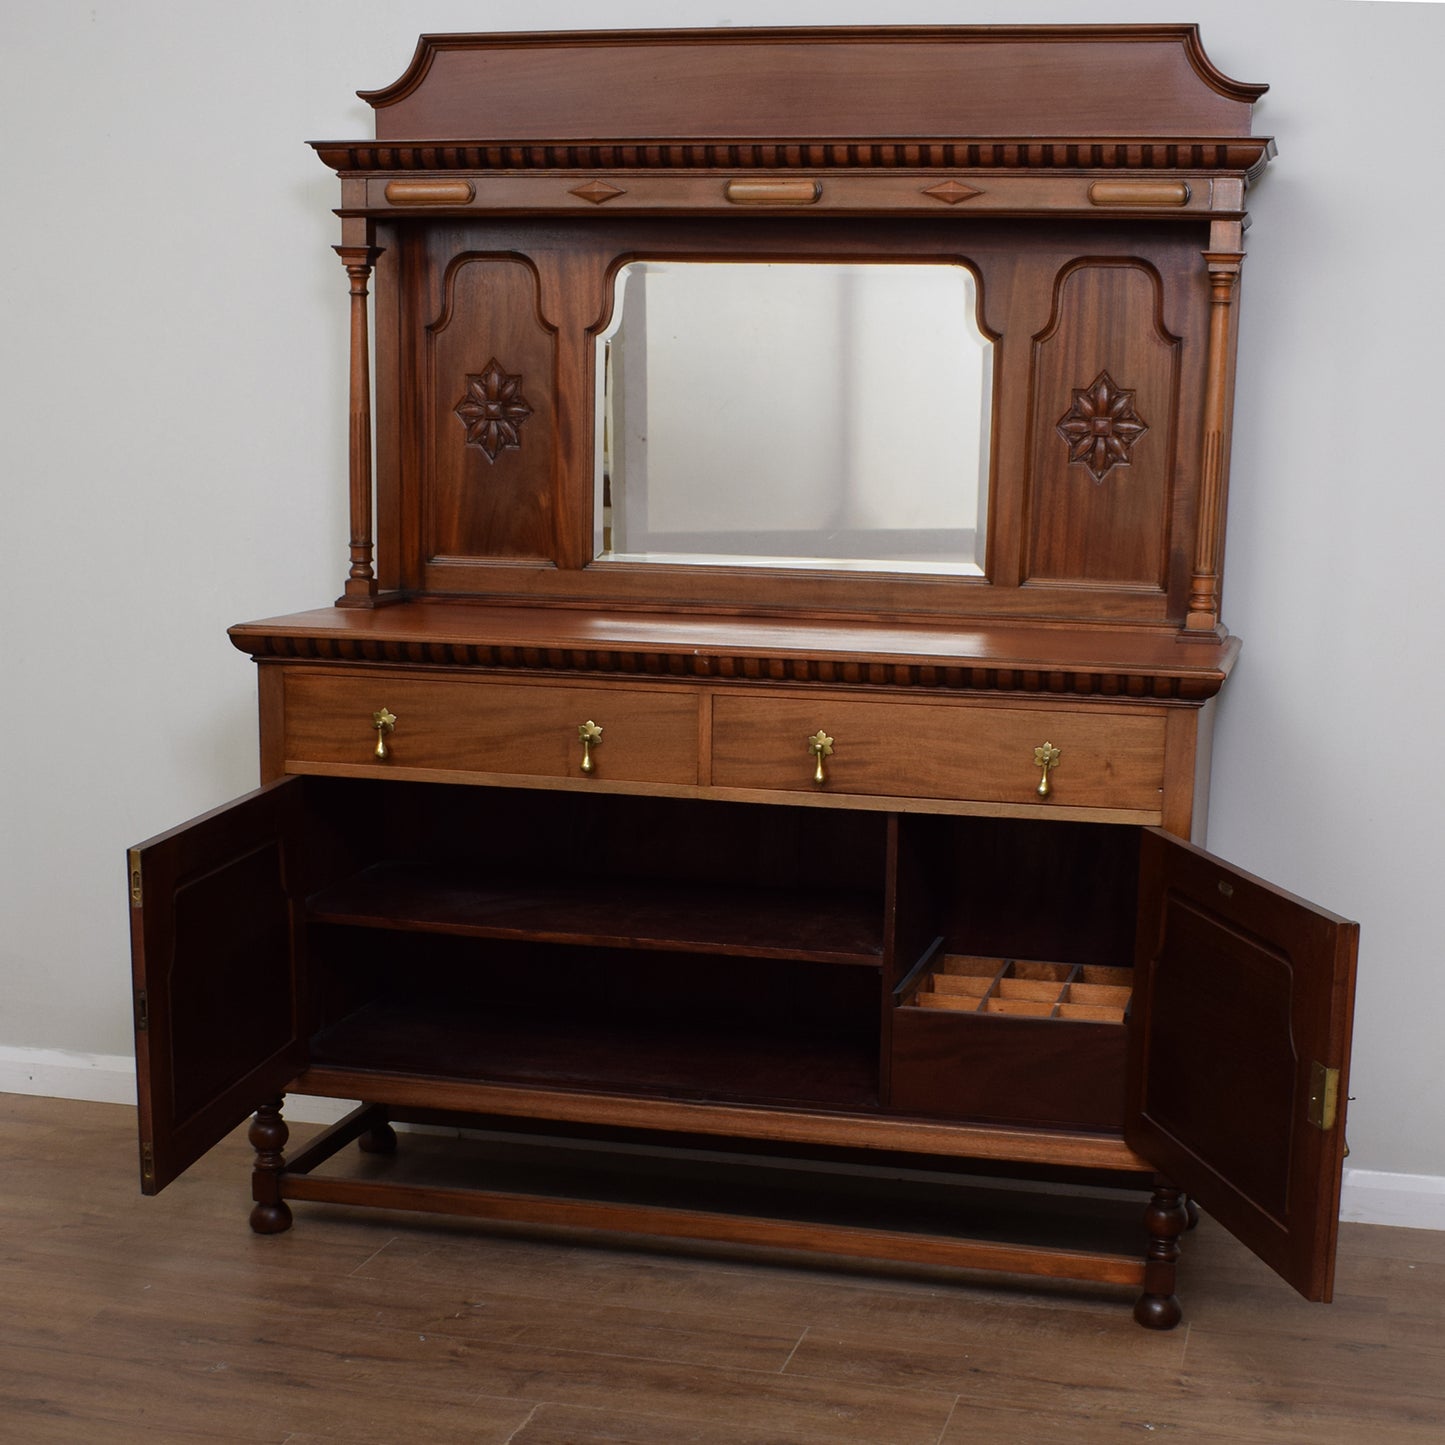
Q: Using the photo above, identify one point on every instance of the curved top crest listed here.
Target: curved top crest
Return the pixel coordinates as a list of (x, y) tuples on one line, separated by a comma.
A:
[(1074, 82)]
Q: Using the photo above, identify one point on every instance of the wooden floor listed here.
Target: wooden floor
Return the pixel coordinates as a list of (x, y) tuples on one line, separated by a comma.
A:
[(163, 1320)]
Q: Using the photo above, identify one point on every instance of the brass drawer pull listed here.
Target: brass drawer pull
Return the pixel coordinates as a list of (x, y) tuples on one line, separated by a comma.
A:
[(821, 746), (384, 722), (589, 735), (1047, 758)]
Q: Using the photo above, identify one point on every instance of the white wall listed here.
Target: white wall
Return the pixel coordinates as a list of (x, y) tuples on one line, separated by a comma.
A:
[(172, 425)]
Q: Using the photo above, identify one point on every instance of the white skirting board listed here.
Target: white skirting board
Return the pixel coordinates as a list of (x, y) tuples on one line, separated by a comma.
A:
[(1415, 1201), (110, 1079)]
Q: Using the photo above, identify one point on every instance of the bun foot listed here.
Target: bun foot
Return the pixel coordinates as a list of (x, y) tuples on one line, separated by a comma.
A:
[(1157, 1311), (378, 1140), (271, 1218)]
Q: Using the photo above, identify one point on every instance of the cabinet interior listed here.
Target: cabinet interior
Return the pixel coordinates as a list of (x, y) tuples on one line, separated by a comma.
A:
[(703, 950)]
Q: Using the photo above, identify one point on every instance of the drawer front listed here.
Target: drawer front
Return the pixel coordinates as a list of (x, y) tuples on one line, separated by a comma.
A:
[(997, 1069), (509, 728), (976, 754)]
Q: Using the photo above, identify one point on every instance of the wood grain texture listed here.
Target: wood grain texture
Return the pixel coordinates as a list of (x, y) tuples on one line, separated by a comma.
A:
[(1067, 81), (130, 1319), (494, 727), (1242, 989), (1107, 760), (998, 658), (490, 503), (1109, 528)]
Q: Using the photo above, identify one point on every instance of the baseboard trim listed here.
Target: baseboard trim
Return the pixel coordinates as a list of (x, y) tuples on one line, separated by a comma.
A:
[(1412, 1201), (1369, 1196), (60, 1074), (110, 1079)]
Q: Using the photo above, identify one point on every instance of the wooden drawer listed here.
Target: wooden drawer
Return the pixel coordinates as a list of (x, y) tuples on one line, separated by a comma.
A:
[(1107, 759), (482, 726), (1013, 1041)]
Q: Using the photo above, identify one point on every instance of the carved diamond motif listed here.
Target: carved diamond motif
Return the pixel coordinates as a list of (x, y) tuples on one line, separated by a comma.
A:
[(493, 410), (951, 192), (1102, 426), (597, 192)]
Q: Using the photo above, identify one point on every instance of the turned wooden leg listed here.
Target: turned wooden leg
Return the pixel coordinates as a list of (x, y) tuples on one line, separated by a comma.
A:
[(268, 1135), (1166, 1218)]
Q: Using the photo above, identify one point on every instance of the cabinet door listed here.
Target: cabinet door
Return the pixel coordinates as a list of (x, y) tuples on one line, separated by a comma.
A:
[(1239, 1053), (215, 940)]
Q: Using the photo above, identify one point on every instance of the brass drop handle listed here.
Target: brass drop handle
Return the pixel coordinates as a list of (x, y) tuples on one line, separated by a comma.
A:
[(821, 746), (1047, 758), (384, 722), (589, 735)]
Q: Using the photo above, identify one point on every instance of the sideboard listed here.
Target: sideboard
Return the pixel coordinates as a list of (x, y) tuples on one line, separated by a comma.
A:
[(767, 712)]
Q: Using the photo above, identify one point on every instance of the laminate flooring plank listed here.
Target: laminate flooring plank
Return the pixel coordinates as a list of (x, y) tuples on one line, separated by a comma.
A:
[(1329, 1380), (318, 1306), (729, 1283), (166, 1321), (807, 1412), (96, 1395), (574, 1425), (680, 1337), (1009, 1370)]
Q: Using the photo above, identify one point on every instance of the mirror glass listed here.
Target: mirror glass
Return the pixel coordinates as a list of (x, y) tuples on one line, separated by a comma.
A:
[(794, 414)]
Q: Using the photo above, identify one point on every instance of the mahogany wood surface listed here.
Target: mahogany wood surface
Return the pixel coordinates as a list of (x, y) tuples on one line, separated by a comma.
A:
[(214, 947), (821, 925), (647, 735), (804, 84), (680, 933), (1008, 657), (1240, 988), (1067, 304), (1052, 1150), (1062, 1074), (1107, 759), (807, 1237)]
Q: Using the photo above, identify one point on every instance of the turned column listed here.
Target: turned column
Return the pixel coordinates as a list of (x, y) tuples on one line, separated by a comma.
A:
[(1203, 615), (361, 580), (268, 1135)]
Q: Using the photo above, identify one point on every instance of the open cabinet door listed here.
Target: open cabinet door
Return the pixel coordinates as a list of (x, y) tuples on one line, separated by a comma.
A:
[(215, 944), (1239, 1053)]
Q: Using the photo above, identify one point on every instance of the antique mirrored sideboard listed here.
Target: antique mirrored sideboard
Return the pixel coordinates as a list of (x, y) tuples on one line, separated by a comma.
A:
[(767, 713)]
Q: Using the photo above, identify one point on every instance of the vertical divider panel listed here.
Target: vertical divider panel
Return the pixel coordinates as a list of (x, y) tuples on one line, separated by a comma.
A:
[(911, 916)]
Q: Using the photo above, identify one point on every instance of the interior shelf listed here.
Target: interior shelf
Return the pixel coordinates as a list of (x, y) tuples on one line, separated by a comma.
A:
[(697, 1059), (743, 921)]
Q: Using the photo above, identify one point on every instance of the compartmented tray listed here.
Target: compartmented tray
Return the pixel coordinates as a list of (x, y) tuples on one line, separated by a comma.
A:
[(1014, 1041), (1025, 988)]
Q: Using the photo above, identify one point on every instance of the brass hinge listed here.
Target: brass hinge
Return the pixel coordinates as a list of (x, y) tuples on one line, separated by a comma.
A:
[(133, 864), (1324, 1096), (142, 1011), (147, 1163)]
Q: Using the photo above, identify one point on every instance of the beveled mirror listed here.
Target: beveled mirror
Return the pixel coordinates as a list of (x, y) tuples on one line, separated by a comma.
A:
[(794, 414)]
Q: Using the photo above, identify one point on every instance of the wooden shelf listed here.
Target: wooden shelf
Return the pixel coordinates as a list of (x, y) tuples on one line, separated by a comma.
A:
[(693, 1059), (823, 927)]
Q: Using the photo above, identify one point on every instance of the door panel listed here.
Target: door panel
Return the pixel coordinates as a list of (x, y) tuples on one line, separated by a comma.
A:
[(1242, 992), (215, 941)]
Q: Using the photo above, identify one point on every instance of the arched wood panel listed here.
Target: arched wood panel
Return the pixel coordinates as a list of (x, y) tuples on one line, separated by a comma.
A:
[(1105, 402), (491, 383)]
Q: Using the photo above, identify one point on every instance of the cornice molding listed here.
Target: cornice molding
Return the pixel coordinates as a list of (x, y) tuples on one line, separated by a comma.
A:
[(1245, 155), (1153, 684)]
